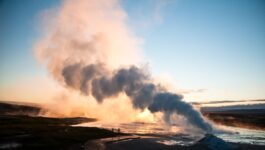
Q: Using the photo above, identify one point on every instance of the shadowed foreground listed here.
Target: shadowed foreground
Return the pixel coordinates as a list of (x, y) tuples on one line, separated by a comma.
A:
[(24, 132)]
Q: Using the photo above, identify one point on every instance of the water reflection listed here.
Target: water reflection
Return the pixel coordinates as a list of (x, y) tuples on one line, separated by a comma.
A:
[(136, 127), (175, 134), (242, 135)]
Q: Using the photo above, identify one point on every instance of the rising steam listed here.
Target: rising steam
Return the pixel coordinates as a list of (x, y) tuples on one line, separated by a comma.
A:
[(88, 46)]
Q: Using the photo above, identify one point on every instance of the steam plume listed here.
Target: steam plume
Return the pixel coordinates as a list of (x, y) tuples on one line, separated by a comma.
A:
[(85, 47)]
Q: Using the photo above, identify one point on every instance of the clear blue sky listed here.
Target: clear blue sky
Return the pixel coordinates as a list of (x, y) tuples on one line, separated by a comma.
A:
[(218, 45)]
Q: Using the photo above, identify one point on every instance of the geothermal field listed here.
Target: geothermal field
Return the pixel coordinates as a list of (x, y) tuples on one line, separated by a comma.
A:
[(132, 75), (23, 127)]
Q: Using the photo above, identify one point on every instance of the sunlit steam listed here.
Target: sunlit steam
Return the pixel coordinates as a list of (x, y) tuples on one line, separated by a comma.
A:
[(88, 47)]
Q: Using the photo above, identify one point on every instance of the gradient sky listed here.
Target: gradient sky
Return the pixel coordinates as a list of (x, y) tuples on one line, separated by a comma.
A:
[(215, 45)]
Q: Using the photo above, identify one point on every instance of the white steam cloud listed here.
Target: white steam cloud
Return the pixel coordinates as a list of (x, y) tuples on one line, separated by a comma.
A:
[(87, 46)]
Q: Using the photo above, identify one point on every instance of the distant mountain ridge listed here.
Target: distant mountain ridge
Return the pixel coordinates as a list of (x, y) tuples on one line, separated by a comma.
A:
[(17, 108), (260, 107)]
